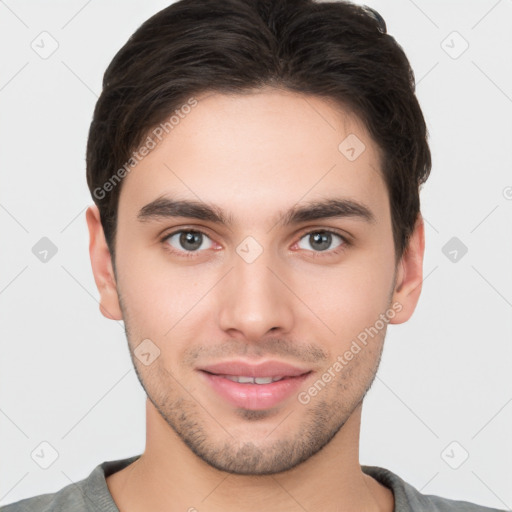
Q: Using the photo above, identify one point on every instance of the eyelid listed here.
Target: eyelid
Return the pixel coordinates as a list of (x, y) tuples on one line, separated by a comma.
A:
[(203, 230), (304, 231), (316, 229)]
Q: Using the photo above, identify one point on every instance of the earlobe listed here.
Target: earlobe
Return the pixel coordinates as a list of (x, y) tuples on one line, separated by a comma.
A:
[(410, 275), (102, 269)]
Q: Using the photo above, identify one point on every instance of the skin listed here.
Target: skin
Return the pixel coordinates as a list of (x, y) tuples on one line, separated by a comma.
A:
[(254, 156)]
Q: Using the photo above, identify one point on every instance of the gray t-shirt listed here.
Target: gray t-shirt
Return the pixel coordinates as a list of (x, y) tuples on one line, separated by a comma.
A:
[(92, 495)]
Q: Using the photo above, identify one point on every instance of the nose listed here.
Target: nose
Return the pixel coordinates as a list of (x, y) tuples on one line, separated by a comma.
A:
[(255, 299)]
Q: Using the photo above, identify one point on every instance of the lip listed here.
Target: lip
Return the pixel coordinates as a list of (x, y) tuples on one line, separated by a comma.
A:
[(254, 396), (266, 369)]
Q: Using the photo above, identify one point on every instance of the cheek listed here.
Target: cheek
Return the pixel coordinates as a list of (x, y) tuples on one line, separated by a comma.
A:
[(351, 297), (160, 302)]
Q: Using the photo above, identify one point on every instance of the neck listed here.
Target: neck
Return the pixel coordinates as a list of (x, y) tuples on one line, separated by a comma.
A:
[(169, 476)]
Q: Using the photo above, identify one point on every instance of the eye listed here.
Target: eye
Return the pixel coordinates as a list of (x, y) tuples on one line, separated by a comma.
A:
[(321, 241), (187, 241)]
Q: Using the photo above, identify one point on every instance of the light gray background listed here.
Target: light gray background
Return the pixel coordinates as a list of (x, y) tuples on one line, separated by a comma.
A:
[(66, 376)]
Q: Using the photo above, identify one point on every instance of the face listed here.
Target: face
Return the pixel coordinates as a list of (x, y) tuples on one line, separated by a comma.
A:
[(256, 274)]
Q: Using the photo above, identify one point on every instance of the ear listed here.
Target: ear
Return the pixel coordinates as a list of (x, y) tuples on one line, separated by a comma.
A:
[(102, 266), (410, 274)]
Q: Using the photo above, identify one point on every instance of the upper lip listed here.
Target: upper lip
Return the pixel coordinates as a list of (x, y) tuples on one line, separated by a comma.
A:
[(266, 369)]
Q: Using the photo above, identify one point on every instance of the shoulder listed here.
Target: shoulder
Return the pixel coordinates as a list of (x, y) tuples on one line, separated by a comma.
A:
[(449, 505), (88, 495), (70, 498), (409, 499)]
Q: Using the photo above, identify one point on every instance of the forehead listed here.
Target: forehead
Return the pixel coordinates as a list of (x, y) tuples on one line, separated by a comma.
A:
[(256, 152)]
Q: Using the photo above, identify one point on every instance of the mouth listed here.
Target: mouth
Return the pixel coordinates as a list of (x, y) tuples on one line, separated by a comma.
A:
[(255, 387), (243, 379)]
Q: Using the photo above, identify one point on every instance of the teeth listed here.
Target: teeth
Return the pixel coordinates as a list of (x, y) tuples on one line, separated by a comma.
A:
[(244, 380), (252, 380), (263, 380)]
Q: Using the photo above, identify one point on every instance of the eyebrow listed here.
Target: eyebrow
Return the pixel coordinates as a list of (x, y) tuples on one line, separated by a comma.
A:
[(165, 207)]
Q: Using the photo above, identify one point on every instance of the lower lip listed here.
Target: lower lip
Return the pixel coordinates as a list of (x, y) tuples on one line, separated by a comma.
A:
[(255, 396)]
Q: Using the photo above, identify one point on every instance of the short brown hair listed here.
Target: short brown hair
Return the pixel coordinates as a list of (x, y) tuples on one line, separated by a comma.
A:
[(335, 49)]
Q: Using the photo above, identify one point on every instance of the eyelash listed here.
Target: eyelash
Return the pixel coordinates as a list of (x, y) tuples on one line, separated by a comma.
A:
[(316, 254)]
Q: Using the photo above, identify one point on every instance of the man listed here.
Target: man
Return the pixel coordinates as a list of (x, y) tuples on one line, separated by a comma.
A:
[(254, 131)]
